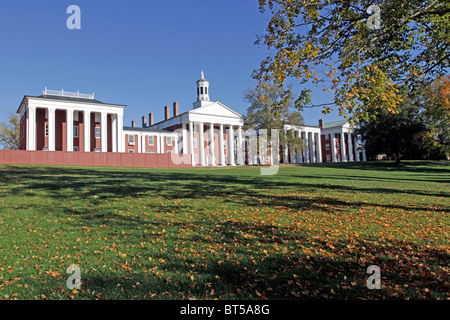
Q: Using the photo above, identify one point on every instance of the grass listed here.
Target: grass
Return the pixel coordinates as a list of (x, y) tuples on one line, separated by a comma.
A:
[(308, 232)]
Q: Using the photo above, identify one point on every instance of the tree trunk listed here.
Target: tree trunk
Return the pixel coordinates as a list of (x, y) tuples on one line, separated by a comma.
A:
[(397, 158)]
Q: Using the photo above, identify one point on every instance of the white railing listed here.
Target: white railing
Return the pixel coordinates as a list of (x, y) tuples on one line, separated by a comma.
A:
[(63, 93)]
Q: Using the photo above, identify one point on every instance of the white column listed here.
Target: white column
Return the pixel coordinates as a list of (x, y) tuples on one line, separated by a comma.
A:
[(231, 146), (363, 152), (221, 147), (161, 144), (69, 129), (350, 147), (286, 148), (357, 158), (157, 140), (212, 148), (120, 135), (31, 128), (143, 143), (114, 132), (298, 154), (138, 142), (300, 151), (201, 143), (333, 147), (87, 131), (240, 148), (342, 145), (313, 147), (51, 129), (184, 131), (104, 132), (177, 143), (191, 141), (307, 147), (319, 148)]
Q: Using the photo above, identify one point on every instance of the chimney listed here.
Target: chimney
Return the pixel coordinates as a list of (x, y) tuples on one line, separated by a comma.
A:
[(133, 124), (144, 121), (175, 109), (321, 126), (166, 112), (150, 119)]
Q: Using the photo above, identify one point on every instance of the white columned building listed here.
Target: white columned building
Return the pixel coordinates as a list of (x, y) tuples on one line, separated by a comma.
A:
[(211, 132), (53, 122), (341, 142), (225, 123)]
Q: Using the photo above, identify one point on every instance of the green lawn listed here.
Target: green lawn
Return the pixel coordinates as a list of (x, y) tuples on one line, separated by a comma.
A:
[(308, 232)]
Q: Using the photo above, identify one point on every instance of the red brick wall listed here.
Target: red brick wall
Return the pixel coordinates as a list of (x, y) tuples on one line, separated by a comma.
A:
[(131, 147), (23, 132), (41, 139), (324, 143), (60, 130), (147, 147), (101, 159)]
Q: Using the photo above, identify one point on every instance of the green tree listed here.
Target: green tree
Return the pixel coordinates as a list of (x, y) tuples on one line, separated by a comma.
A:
[(10, 133), (263, 100), (330, 44), (436, 115), (395, 134)]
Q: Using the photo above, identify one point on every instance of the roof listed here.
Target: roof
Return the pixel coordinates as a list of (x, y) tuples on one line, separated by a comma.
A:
[(145, 129), (74, 99), (71, 99), (335, 124)]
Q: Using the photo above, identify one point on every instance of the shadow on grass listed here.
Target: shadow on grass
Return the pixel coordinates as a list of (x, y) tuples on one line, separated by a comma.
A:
[(97, 185), (337, 270), (238, 267)]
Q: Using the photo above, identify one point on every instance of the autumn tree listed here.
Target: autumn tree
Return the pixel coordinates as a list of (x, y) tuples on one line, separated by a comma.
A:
[(362, 51), (260, 114), (10, 133), (436, 115), (395, 134)]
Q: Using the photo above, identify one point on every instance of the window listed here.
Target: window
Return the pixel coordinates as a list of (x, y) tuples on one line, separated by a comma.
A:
[(75, 131), (131, 151), (206, 90), (338, 145), (76, 149), (98, 133), (194, 142), (327, 146), (328, 158), (201, 90), (195, 158), (169, 152), (151, 151), (151, 140), (131, 139), (46, 130), (327, 137), (338, 157), (169, 141)]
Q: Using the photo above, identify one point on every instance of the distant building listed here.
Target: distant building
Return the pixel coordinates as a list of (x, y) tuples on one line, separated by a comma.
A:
[(211, 132)]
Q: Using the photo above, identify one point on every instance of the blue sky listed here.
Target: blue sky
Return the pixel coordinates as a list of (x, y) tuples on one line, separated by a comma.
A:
[(145, 54)]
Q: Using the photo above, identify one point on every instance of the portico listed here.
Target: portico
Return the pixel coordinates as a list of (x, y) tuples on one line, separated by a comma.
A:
[(310, 149), (341, 142), (65, 121)]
